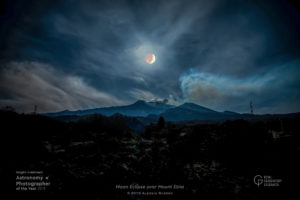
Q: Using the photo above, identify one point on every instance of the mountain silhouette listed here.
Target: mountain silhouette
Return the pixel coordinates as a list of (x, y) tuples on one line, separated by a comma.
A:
[(149, 112), (138, 109), (191, 111)]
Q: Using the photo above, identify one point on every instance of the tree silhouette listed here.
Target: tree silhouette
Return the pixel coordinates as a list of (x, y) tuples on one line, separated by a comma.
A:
[(161, 123)]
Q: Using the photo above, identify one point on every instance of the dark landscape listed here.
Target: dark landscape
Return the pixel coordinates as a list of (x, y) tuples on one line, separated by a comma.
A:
[(149, 99), (88, 155)]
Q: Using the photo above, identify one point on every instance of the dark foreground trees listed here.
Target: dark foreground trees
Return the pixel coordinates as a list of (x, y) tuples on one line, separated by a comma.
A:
[(89, 157)]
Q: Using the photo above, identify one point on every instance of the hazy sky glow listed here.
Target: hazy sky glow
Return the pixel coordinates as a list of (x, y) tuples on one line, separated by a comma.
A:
[(85, 54)]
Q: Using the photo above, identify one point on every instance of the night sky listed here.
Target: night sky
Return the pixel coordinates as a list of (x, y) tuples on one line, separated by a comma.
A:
[(85, 54)]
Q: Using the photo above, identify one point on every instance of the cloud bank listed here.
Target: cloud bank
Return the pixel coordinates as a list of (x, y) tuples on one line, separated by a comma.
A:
[(270, 92), (33, 83)]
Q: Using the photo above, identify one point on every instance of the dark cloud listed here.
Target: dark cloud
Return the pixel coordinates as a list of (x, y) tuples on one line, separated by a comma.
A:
[(32, 83), (104, 43)]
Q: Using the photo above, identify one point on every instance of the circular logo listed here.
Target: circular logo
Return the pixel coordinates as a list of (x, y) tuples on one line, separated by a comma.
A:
[(258, 180)]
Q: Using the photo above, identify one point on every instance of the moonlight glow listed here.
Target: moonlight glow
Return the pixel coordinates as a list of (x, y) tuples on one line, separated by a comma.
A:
[(150, 58)]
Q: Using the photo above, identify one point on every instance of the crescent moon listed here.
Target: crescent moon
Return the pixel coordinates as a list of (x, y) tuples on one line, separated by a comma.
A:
[(150, 58)]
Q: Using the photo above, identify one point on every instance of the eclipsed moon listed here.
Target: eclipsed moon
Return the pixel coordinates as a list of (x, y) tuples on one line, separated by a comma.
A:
[(150, 58)]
